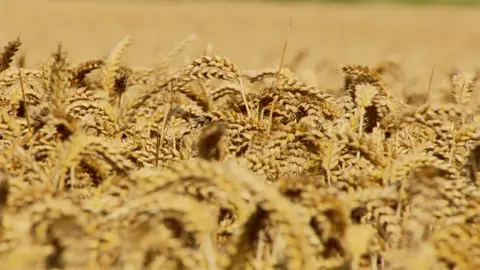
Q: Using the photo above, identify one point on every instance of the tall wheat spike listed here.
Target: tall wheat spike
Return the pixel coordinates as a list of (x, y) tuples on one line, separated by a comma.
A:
[(8, 53), (112, 66)]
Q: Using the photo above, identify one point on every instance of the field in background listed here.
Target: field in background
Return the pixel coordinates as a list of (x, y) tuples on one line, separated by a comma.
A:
[(418, 38), (410, 2)]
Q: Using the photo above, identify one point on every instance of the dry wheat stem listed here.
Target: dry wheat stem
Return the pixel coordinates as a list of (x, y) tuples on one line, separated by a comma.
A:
[(24, 97), (429, 89)]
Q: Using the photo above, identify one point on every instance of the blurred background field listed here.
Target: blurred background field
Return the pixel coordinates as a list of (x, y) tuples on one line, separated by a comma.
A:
[(415, 2), (416, 37)]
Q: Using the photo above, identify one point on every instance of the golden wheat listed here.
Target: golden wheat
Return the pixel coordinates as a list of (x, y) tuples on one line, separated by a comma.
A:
[(194, 168)]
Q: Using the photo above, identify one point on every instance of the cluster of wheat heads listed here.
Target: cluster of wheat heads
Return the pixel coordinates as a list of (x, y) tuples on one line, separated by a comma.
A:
[(210, 167)]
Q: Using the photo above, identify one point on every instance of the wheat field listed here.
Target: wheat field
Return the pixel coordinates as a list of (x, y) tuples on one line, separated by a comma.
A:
[(217, 136)]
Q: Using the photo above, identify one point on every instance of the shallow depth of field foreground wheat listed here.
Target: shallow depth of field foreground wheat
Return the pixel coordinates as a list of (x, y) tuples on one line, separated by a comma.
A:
[(110, 166)]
